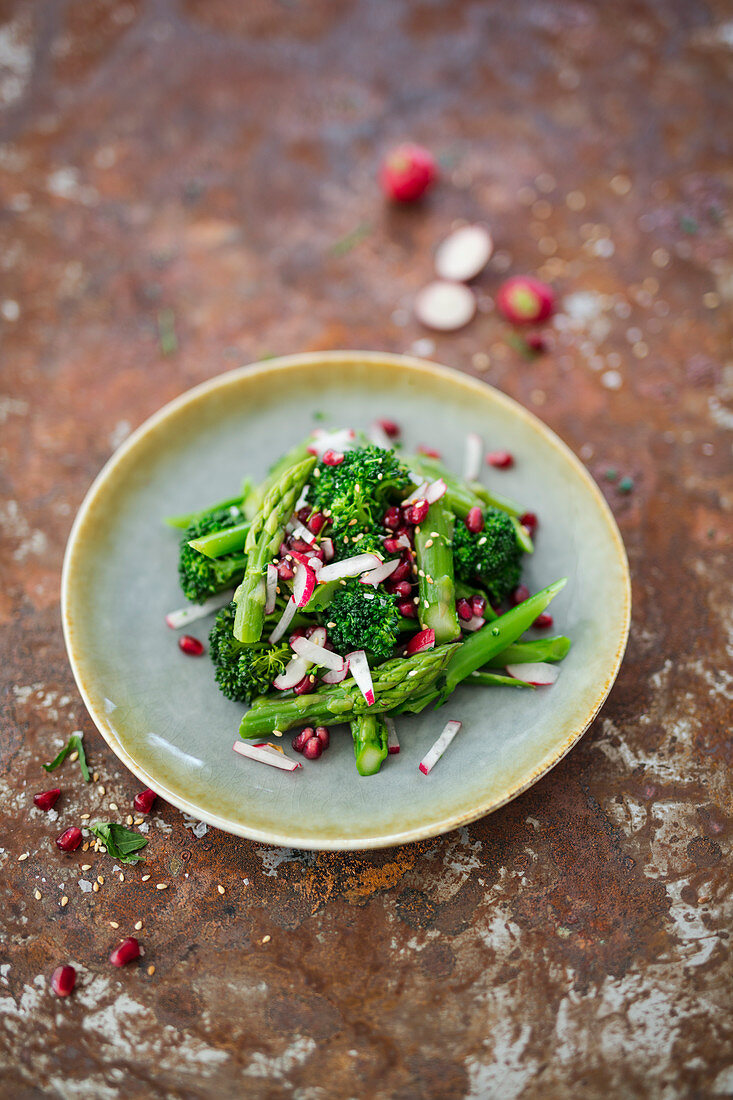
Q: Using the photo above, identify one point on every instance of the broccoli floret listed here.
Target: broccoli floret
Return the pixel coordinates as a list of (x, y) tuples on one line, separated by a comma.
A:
[(355, 494), (364, 619), (200, 576), (493, 555), (244, 671)]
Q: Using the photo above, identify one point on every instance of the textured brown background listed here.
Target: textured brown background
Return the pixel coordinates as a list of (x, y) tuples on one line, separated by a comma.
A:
[(207, 169)]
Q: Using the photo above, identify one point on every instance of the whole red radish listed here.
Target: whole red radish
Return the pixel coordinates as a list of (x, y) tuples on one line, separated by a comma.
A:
[(407, 173), (524, 300)]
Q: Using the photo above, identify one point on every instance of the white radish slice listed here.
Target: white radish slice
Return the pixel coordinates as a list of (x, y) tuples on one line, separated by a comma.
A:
[(318, 635), (349, 567), (301, 501), (176, 619), (435, 490), (317, 654), (359, 669), (433, 755), (336, 677), (342, 440), (473, 455), (266, 756), (314, 563), (539, 673), (379, 437), (445, 306), (393, 744), (329, 550), (301, 532), (474, 623), (464, 253), (271, 589), (285, 620), (376, 576), (417, 494), (424, 639), (304, 584), (404, 542), (295, 670)]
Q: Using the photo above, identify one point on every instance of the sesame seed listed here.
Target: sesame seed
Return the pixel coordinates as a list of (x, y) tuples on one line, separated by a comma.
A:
[(145, 878), (138, 925), (113, 924), (95, 887), (102, 849), (277, 733), (86, 866), (266, 939), (113, 806), (421, 572), (100, 880), (151, 970), (95, 777), (37, 895), (85, 846), (128, 819), (85, 817), (161, 886), (220, 889), (24, 856), (426, 603), (482, 540), (101, 789), (428, 543), (138, 821), (434, 535), (122, 878), (74, 756), (330, 625), (64, 901), (429, 579)]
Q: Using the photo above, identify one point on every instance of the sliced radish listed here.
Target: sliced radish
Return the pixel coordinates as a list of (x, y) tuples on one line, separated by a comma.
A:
[(285, 620), (424, 639), (268, 747), (376, 576), (539, 673), (301, 532), (473, 456), (393, 744), (359, 669), (349, 567), (379, 437), (329, 550), (176, 619), (336, 677), (435, 490), (404, 542), (295, 670), (317, 654), (342, 440), (417, 494), (464, 253), (304, 583), (266, 756), (474, 623), (301, 501), (434, 754), (445, 306), (271, 589)]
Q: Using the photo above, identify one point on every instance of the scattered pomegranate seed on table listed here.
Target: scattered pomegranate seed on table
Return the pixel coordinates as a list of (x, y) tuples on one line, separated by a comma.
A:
[(323, 734), (500, 460), (190, 645), (475, 520), (126, 952), (312, 748), (407, 173), (301, 739), (69, 840), (524, 300), (46, 800), (143, 802), (63, 980)]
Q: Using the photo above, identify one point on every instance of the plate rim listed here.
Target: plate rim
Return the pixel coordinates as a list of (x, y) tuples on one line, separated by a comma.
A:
[(275, 365)]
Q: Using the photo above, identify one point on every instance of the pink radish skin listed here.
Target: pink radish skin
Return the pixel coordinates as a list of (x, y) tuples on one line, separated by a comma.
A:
[(294, 673), (349, 567), (309, 650), (304, 584), (285, 620), (417, 494), (539, 673), (473, 456), (423, 640), (434, 754), (393, 745), (342, 440), (381, 573), (271, 589), (176, 619), (336, 677), (435, 490), (266, 756), (359, 669)]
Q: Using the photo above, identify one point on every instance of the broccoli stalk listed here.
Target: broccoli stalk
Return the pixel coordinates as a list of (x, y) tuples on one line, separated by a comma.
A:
[(264, 539), (433, 549), (370, 742)]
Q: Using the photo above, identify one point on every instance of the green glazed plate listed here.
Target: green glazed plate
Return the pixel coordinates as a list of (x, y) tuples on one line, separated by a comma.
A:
[(161, 711)]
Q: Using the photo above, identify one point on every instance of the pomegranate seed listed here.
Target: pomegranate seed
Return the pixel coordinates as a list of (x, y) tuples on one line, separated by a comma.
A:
[(392, 546), (529, 520), (536, 342), (402, 588), (407, 609), (190, 645), (407, 172), (475, 520), (390, 428), (63, 980), (300, 546), (304, 687), (312, 748), (316, 522), (299, 633), (519, 595), (46, 800), (543, 621), (402, 572), (464, 609), (429, 452), (478, 606), (418, 512), (501, 460), (70, 840), (391, 518), (125, 952), (323, 734), (285, 571), (304, 514), (332, 458), (408, 532), (301, 739), (143, 802)]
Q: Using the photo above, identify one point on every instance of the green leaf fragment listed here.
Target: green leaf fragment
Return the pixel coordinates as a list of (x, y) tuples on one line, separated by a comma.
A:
[(74, 744), (121, 843)]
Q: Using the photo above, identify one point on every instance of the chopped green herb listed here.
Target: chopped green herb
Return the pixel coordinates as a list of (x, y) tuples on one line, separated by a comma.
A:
[(688, 225), (74, 744), (351, 240), (318, 415), (626, 485), (611, 474), (121, 843), (167, 332)]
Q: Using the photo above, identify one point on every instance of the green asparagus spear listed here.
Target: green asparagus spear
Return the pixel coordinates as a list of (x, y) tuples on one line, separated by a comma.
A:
[(370, 742), (263, 542), (433, 549), (542, 649), (393, 681)]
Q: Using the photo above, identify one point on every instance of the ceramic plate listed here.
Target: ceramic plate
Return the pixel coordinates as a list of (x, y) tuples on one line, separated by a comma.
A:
[(161, 711)]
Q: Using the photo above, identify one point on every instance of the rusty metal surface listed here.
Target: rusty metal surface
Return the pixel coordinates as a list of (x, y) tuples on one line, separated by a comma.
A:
[(190, 185)]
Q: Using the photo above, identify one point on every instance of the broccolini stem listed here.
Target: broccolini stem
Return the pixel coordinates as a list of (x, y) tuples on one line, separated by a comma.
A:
[(264, 539), (543, 649), (182, 522), (393, 681), (370, 742), (433, 549), (492, 679), (462, 495), (217, 543)]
